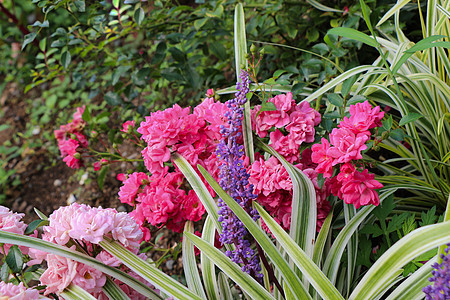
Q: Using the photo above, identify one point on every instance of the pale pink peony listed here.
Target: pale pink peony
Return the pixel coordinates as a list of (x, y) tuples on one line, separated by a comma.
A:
[(131, 186), (347, 145), (10, 291), (362, 118), (320, 156), (361, 189), (128, 125), (59, 274)]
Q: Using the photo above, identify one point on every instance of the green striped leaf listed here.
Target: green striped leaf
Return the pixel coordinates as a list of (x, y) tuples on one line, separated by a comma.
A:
[(333, 259), (308, 268), (74, 292), (304, 208), (225, 291), (208, 268), (392, 11), (113, 291), (405, 250), (245, 281), (411, 288), (289, 276), (149, 272), (190, 263), (240, 49)]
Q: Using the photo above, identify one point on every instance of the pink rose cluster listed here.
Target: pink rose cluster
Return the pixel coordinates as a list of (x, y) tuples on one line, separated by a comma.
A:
[(85, 226), (10, 291), (294, 125), (344, 149), (298, 121), (71, 140), (273, 186), (160, 199)]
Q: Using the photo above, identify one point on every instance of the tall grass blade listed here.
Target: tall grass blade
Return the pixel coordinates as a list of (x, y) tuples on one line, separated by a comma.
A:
[(309, 269), (191, 273), (240, 48), (208, 268), (245, 281), (403, 251)]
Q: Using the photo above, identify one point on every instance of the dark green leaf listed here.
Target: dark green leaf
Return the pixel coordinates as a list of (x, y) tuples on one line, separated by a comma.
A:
[(218, 50), (387, 124), (177, 54), (80, 5), (298, 88), (409, 225), (4, 272), (39, 24), (397, 134), (411, 117), (29, 38), (428, 217), (372, 229), (353, 34), (347, 85), (268, 106), (396, 222), (335, 99), (356, 99), (35, 224), (14, 259), (87, 115), (113, 99), (383, 210), (66, 59), (139, 15)]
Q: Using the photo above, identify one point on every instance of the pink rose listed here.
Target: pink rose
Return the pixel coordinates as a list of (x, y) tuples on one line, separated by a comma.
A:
[(347, 145)]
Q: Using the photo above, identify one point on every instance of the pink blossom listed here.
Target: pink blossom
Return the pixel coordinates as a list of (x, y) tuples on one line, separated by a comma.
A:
[(97, 166), (127, 126), (361, 189), (279, 118), (89, 279), (60, 223), (362, 118), (126, 230), (321, 157), (285, 145), (269, 176), (131, 187), (347, 145), (11, 222), (193, 209), (108, 259), (214, 113), (210, 93), (91, 224), (10, 291), (59, 274)]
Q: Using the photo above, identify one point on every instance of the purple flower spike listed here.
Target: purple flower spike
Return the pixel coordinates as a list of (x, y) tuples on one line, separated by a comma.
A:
[(439, 288), (234, 180)]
